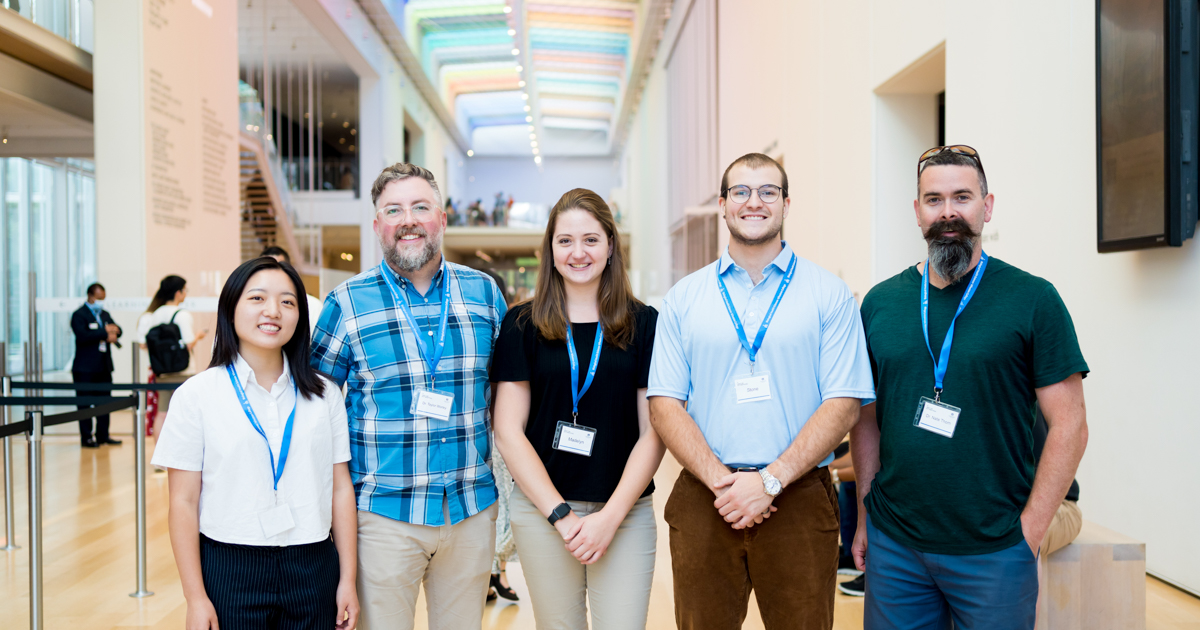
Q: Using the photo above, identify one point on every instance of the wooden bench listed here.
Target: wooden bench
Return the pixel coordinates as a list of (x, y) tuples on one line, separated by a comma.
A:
[(1098, 582)]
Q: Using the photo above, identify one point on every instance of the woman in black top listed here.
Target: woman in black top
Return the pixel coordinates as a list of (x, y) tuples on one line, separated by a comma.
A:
[(583, 454)]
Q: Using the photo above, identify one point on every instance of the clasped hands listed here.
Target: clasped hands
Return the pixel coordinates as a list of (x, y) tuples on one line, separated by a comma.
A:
[(588, 537), (112, 331), (742, 500)]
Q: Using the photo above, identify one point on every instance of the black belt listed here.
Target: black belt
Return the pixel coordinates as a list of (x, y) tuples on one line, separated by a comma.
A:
[(738, 469)]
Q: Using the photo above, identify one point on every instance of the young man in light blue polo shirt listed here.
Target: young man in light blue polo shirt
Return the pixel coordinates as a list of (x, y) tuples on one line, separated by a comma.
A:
[(766, 350)]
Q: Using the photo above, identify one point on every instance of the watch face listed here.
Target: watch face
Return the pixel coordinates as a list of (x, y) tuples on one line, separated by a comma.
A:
[(773, 487)]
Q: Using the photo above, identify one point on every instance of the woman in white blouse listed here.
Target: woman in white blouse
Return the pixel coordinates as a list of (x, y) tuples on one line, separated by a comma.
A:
[(257, 446)]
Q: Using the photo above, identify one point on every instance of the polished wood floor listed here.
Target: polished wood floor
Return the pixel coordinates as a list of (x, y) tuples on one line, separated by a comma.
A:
[(88, 558)]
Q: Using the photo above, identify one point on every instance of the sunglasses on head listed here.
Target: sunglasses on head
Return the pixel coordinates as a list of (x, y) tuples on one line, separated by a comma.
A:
[(960, 149)]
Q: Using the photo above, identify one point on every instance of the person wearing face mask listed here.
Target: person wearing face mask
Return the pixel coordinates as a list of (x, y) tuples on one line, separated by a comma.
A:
[(573, 424), (962, 548), (95, 336), (759, 370), (412, 340), (256, 451)]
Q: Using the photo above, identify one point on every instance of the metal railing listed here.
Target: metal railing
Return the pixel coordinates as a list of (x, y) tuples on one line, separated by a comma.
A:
[(33, 426)]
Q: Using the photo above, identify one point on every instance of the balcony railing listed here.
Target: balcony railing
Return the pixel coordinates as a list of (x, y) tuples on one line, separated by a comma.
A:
[(69, 19)]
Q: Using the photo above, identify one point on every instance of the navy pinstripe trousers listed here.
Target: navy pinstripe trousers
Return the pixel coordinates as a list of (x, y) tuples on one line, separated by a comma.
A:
[(283, 588)]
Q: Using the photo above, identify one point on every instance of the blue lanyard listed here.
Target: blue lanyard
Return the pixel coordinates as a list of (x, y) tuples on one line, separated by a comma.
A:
[(939, 366), (96, 314), (762, 330), (576, 392), (286, 444), (433, 356)]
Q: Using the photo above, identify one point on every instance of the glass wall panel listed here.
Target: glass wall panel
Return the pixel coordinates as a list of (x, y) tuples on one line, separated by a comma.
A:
[(49, 226)]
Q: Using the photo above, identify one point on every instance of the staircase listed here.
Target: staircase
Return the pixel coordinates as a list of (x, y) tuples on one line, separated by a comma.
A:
[(265, 217)]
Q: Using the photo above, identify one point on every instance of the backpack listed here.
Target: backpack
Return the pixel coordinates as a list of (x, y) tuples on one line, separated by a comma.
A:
[(167, 351)]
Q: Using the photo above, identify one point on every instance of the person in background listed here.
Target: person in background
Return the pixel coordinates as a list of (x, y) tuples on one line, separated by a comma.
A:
[(95, 335), (166, 306), (257, 448), (314, 305), (842, 473), (412, 340), (506, 547), (574, 424)]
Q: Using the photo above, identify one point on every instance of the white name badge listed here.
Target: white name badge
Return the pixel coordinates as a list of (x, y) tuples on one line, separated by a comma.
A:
[(753, 387), (936, 417), (93, 326), (276, 520), (574, 438), (103, 346), (432, 403)]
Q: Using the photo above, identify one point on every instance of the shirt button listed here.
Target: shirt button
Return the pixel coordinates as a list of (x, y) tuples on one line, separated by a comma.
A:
[(430, 333), (443, 440)]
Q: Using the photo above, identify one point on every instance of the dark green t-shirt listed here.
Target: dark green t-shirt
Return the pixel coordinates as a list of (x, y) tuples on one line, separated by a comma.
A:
[(963, 495)]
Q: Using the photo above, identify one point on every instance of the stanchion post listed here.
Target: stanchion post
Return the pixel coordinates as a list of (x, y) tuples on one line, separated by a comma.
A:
[(139, 440), (10, 525), (35, 520)]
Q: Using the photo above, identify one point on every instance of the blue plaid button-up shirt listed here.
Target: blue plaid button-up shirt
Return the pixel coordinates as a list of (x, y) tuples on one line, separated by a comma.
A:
[(403, 465)]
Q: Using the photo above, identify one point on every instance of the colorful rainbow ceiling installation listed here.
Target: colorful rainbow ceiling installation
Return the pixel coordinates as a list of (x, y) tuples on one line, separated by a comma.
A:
[(526, 77)]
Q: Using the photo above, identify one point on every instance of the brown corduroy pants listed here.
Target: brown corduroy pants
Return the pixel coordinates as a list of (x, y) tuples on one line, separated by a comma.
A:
[(789, 560)]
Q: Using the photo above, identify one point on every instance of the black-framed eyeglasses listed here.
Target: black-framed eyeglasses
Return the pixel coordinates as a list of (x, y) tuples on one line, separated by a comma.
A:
[(960, 149), (767, 193)]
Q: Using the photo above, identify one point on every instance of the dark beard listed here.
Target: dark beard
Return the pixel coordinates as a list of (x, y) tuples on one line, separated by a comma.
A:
[(950, 256), (751, 242)]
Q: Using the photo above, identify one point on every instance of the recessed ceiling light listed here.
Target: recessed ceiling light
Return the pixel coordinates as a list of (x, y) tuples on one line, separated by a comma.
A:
[(537, 159), (520, 84), (512, 31), (516, 51), (533, 136), (520, 68), (529, 119), (508, 9), (470, 153), (525, 97), (526, 108)]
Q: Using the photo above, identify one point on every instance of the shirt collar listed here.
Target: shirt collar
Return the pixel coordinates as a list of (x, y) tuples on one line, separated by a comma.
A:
[(404, 283), (245, 373), (780, 262)]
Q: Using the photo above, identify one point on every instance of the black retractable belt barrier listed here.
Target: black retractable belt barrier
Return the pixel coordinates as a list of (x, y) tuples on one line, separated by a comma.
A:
[(96, 386)]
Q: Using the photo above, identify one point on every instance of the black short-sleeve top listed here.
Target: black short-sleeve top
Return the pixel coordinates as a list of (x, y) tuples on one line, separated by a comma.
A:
[(609, 406)]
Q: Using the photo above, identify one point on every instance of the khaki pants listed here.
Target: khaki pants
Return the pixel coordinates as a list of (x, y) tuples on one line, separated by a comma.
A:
[(617, 586), (454, 563), (1068, 520)]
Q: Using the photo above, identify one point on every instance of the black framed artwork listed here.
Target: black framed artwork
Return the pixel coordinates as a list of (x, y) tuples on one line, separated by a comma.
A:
[(1146, 136)]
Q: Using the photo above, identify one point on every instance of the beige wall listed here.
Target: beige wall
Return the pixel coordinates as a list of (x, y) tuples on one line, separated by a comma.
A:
[(812, 84), (166, 152)]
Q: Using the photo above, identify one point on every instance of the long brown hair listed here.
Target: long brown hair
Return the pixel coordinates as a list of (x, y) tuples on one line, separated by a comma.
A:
[(549, 311)]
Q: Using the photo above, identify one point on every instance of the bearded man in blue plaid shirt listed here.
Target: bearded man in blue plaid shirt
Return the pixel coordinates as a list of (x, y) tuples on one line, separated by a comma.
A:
[(412, 338)]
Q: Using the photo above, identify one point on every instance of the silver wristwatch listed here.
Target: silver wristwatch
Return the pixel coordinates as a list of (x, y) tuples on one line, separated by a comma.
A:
[(771, 485)]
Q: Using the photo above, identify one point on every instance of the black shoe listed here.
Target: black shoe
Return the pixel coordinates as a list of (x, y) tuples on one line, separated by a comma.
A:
[(846, 566), (109, 441), (90, 443), (854, 588), (502, 590)]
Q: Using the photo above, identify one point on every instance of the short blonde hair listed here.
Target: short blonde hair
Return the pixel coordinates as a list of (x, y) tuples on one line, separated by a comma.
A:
[(399, 171)]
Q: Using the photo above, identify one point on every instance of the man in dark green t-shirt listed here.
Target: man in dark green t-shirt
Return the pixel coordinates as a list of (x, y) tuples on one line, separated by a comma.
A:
[(953, 505)]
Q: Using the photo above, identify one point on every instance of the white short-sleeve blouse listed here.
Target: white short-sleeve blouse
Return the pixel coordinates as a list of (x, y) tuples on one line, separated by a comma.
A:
[(206, 430)]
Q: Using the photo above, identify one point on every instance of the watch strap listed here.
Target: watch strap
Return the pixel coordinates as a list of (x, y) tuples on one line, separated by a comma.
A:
[(559, 512)]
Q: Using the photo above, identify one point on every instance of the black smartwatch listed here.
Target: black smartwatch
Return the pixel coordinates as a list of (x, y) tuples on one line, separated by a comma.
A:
[(559, 512)]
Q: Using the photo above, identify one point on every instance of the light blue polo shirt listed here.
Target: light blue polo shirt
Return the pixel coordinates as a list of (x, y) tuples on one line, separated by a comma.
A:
[(814, 350)]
